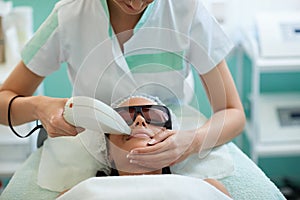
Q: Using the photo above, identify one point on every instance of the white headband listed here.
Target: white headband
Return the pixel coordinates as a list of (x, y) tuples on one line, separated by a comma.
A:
[(144, 96)]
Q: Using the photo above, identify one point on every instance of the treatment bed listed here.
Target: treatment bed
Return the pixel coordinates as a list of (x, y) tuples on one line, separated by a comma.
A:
[(247, 181)]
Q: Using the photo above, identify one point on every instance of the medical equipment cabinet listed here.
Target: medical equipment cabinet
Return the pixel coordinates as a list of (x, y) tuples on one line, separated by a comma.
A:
[(273, 128)]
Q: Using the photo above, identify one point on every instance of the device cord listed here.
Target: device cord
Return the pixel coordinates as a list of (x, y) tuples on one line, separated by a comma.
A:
[(38, 126)]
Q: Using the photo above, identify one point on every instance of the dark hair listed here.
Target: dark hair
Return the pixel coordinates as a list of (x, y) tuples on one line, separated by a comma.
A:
[(114, 172)]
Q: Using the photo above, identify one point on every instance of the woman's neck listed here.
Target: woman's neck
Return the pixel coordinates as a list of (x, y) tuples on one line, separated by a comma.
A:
[(121, 21), (121, 173)]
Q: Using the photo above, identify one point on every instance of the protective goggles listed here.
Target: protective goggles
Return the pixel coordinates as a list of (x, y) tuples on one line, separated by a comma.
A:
[(157, 115)]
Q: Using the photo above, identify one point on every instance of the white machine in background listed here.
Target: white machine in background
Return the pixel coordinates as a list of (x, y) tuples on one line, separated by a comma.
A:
[(279, 34), (280, 118), (273, 48)]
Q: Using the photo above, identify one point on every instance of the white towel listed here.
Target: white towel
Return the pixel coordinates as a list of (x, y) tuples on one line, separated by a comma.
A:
[(247, 181), (66, 161), (148, 187)]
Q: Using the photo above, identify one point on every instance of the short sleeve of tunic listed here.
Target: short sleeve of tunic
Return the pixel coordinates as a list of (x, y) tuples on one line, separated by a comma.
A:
[(43, 53), (208, 42)]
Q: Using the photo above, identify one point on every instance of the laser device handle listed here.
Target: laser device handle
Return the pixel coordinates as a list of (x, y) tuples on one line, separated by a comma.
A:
[(92, 114)]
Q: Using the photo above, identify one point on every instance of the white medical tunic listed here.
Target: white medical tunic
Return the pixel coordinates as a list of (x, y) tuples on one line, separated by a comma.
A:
[(170, 37)]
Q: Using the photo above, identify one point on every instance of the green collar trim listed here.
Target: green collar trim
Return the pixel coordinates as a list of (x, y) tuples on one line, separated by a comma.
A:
[(105, 7), (144, 17), (140, 23)]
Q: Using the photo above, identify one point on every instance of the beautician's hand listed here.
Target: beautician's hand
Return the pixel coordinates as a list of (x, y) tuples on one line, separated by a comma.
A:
[(50, 113), (167, 148)]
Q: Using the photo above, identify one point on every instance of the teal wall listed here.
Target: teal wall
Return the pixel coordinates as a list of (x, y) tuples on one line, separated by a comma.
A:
[(57, 85)]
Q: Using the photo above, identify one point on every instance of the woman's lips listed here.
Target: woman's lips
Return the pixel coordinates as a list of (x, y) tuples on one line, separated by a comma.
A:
[(141, 133)]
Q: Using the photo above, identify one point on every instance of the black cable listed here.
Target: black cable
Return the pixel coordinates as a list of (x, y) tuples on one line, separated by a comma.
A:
[(10, 124)]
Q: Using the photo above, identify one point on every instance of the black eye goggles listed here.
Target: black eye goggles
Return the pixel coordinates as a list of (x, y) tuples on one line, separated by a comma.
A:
[(157, 115)]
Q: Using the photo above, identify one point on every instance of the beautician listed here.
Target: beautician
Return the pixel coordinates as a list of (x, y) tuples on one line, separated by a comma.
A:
[(116, 47)]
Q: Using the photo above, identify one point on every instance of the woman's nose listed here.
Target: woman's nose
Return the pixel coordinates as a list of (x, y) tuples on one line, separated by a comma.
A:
[(137, 4), (140, 121)]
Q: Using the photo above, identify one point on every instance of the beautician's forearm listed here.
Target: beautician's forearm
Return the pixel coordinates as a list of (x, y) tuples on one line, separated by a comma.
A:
[(22, 110), (24, 82), (228, 119), (221, 128)]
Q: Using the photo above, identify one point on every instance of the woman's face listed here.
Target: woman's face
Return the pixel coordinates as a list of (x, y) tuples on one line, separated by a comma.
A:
[(141, 134), (132, 7)]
